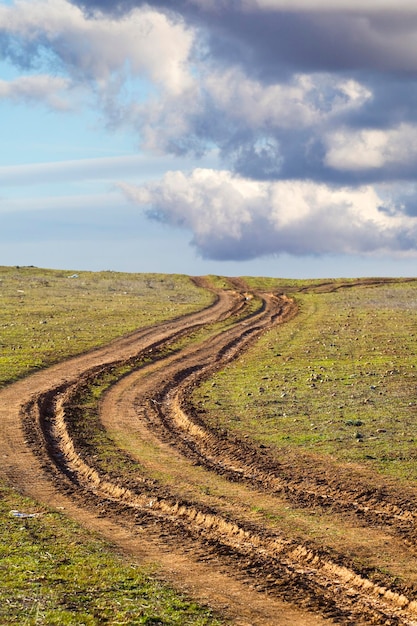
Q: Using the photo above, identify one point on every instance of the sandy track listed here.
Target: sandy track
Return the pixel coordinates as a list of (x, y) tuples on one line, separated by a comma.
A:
[(222, 558)]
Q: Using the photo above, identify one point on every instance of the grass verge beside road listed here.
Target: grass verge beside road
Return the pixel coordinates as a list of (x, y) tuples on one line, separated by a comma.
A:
[(340, 379), (51, 571), (49, 315)]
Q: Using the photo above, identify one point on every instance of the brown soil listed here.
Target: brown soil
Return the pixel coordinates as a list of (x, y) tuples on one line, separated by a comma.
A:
[(214, 548)]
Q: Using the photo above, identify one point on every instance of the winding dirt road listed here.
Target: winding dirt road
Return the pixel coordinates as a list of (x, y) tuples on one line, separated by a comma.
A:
[(185, 496)]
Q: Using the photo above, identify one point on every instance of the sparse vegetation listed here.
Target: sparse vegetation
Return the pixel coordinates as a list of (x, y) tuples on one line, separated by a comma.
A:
[(54, 573), (51, 571), (339, 379), (49, 315)]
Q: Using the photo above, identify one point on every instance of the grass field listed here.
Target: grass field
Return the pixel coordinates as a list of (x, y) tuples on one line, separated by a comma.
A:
[(340, 379), (51, 571), (48, 315)]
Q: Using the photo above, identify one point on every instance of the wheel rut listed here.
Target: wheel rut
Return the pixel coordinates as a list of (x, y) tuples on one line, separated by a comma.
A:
[(305, 577)]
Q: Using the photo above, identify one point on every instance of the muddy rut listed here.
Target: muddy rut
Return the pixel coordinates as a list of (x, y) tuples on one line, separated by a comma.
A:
[(252, 572)]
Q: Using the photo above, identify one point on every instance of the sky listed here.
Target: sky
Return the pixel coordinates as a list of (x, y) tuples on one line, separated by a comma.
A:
[(231, 137)]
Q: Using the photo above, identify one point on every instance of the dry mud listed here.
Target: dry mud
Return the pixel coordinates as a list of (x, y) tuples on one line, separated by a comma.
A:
[(248, 570)]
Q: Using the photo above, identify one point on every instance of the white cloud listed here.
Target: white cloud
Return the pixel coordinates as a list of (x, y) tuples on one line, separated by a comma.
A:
[(104, 168), (41, 88), (102, 52), (167, 120), (93, 48), (235, 103), (234, 218), (305, 101), (199, 201), (137, 67), (139, 166), (371, 148), (262, 110)]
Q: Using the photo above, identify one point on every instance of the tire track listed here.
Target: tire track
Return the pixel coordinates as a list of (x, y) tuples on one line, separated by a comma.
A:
[(311, 577), (284, 567), (372, 500), (307, 576)]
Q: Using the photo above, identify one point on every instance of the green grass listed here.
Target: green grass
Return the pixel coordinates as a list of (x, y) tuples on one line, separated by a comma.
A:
[(48, 315), (340, 379), (54, 573), (51, 571)]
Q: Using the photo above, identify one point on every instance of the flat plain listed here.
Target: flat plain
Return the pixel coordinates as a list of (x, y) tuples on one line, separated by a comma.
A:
[(247, 441)]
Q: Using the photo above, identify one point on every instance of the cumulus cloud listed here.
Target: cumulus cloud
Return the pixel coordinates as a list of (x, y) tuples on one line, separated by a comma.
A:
[(303, 102), (278, 87), (211, 74), (268, 35), (373, 149), (145, 42), (232, 218), (310, 105)]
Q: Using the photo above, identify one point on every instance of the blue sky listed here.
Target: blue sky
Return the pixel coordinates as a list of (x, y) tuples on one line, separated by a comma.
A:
[(260, 137)]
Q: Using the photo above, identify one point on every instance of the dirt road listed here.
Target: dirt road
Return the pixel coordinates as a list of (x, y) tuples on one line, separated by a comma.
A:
[(184, 494)]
